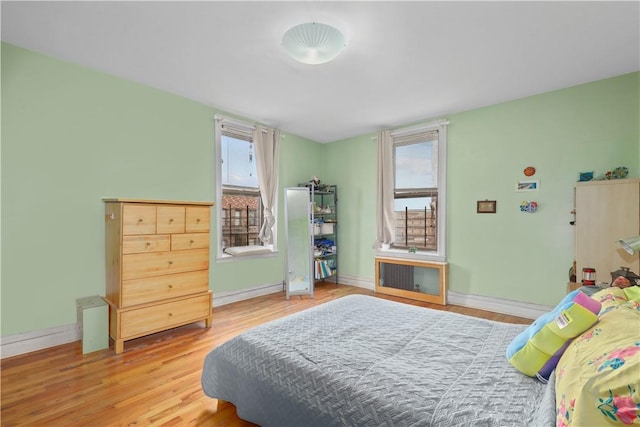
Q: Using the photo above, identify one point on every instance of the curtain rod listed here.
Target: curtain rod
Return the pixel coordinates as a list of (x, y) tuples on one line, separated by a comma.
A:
[(240, 124), (230, 121), (419, 127), (415, 128)]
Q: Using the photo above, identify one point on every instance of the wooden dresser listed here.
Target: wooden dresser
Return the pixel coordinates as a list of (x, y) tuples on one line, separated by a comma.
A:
[(157, 266)]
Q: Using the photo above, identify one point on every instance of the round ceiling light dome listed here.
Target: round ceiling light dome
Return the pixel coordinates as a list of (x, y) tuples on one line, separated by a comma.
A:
[(313, 42)]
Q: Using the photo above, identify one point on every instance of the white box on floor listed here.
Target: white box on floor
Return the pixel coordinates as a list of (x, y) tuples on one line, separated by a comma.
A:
[(93, 320)]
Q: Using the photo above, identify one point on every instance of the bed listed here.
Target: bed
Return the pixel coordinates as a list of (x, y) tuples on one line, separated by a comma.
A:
[(365, 361)]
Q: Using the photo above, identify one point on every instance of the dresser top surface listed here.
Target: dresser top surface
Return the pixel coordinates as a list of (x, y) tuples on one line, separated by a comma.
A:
[(608, 182), (148, 201)]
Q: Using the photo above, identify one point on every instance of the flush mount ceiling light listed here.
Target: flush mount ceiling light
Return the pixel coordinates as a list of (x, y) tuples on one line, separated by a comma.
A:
[(313, 42)]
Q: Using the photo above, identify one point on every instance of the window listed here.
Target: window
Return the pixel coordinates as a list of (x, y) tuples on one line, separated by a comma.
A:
[(239, 201), (418, 194)]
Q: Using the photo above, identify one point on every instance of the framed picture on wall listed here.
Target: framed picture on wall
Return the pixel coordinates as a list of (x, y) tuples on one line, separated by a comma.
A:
[(528, 185), (486, 206)]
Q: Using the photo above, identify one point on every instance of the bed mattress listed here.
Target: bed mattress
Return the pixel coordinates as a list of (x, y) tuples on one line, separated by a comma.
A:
[(365, 361)]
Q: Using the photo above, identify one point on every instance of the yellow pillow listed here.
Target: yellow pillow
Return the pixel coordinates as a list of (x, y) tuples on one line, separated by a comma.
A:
[(598, 376)]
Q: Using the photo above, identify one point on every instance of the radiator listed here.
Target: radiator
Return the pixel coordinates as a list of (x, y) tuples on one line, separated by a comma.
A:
[(398, 276)]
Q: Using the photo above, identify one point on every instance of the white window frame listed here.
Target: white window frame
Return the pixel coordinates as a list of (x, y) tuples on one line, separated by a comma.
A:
[(441, 209), (219, 120)]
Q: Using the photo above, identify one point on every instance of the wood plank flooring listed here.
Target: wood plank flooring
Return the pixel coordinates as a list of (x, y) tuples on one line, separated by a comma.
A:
[(156, 381)]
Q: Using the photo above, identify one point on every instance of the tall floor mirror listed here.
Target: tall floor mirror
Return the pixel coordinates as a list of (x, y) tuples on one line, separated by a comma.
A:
[(298, 233)]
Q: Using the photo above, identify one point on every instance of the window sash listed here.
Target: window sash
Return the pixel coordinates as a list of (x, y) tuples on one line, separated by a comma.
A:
[(420, 138), (410, 193), (417, 227), (244, 229), (234, 167), (414, 138), (237, 130)]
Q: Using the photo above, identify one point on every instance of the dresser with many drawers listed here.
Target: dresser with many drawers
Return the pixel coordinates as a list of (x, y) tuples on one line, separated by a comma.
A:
[(157, 266)]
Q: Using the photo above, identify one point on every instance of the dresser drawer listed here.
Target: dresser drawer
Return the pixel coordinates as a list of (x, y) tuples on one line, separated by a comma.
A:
[(170, 219), (197, 219), (138, 266), (140, 291), (189, 241), (145, 243), (138, 219), (155, 318)]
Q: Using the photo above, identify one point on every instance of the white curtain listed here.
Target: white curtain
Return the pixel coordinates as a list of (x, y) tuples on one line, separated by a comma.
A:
[(385, 186), (266, 142)]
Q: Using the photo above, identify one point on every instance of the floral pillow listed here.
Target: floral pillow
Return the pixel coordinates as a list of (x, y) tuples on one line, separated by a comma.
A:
[(609, 298), (632, 293), (598, 376)]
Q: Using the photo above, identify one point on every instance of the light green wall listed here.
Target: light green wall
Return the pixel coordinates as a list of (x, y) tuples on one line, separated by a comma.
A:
[(351, 166), (71, 136), (511, 254)]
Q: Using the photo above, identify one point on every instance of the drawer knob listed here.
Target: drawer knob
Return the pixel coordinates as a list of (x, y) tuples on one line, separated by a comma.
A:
[(191, 242), (197, 219), (170, 286), (140, 220), (170, 314), (170, 220), (170, 262), (148, 244)]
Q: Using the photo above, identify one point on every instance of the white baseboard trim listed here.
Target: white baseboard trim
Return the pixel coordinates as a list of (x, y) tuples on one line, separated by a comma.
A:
[(13, 345), (360, 282), (498, 305), (228, 297)]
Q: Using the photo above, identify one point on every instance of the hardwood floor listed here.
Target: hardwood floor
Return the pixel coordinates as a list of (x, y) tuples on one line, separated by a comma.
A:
[(156, 381)]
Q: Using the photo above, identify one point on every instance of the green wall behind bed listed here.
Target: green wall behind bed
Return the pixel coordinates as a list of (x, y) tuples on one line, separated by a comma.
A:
[(512, 255), (71, 135)]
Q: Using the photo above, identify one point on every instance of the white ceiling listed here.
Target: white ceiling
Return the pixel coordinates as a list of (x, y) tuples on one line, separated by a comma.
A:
[(404, 62)]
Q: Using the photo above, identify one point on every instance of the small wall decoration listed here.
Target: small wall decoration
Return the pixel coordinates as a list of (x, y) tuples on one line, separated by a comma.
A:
[(528, 206), (486, 206), (529, 171), (528, 185)]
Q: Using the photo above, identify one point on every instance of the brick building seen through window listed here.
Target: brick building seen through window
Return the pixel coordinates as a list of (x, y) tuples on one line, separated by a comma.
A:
[(241, 219)]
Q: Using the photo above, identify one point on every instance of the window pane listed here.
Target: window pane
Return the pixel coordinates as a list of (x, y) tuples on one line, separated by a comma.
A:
[(414, 165), (238, 163), (416, 222), (414, 203), (242, 225)]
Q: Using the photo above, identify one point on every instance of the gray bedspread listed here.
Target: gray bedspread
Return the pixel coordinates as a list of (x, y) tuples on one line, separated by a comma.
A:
[(365, 361)]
